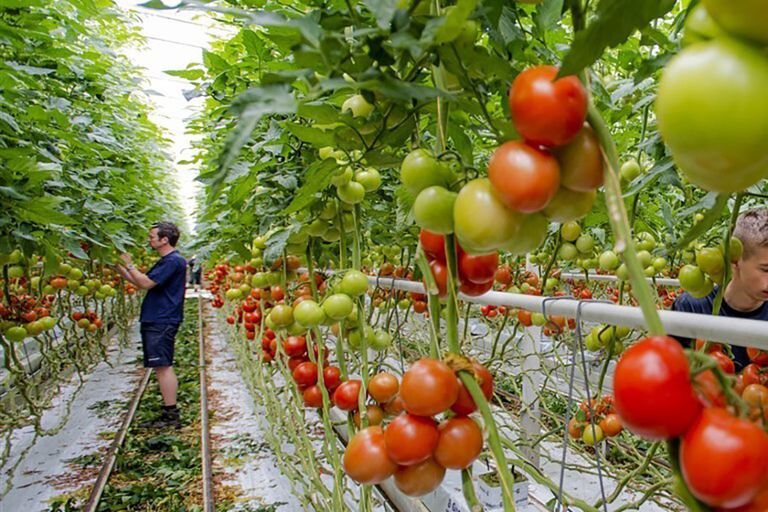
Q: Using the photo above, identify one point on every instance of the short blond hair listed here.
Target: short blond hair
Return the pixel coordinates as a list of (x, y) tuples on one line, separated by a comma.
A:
[(752, 229)]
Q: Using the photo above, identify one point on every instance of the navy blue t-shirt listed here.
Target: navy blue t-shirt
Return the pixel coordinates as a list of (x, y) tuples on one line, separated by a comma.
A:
[(688, 304), (164, 303)]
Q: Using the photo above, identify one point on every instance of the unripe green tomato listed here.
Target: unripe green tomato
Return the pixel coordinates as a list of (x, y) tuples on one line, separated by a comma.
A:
[(744, 18), (308, 313), (34, 282), (567, 251), (622, 331), (105, 289), (569, 205), (699, 26), (281, 315), (630, 170), (233, 294), (689, 257), (15, 272), (698, 218), (367, 262), (357, 105), (342, 177), (332, 235), (317, 227), (273, 278), (705, 290), (255, 252), (420, 170), (736, 249), (585, 243), (338, 306), (382, 340), (355, 337), (691, 278), (351, 193), (433, 209), (370, 179), (34, 328), (530, 235), (16, 333), (645, 258), (570, 231), (14, 257), (354, 283), (260, 242), (609, 260), (659, 263), (551, 284), (603, 334), (64, 268), (622, 272), (245, 289), (325, 152), (403, 304), (83, 291), (49, 290), (259, 280), (296, 329), (710, 260), (75, 273), (48, 322), (591, 343), (257, 262), (329, 210), (592, 437), (538, 319), (649, 271)]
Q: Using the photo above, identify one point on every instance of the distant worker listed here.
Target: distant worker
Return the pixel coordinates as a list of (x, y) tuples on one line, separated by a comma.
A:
[(746, 295), (195, 272), (162, 311)]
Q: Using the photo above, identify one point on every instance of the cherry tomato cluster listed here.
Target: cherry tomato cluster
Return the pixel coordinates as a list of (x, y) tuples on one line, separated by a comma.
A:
[(476, 273), (723, 456), (415, 447), (602, 414)]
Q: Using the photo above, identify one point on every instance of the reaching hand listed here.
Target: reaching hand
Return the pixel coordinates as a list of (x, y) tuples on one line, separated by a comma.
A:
[(126, 258)]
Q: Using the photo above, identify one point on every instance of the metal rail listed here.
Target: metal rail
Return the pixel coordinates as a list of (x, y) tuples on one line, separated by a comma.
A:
[(735, 331), (578, 276), (205, 439), (106, 469)]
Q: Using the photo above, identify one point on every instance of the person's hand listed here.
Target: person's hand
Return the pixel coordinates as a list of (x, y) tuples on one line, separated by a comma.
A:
[(126, 258)]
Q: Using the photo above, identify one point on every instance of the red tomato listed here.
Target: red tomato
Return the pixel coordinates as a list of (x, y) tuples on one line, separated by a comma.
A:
[(464, 403), (331, 378), (366, 460), (460, 442), (524, 178), (611, 425), (411, 439), (725, 362), (419, 479), (757, 356), (373, 413), (546, 111), (295, 346), (313, 397), (652, 389), (581, 162), (440, 273), (345, 396), (503, 275), (433, 244), (710, 392), (305, 374), (478, 269), (277, 293), (429, 387), (524, 317), (383, 387), (419, 306), (724, 460), (476, 289), (759, 504)]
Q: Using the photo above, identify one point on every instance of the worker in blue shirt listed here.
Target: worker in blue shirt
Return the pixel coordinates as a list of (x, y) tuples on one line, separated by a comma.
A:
[(161, 313), (746, 295)]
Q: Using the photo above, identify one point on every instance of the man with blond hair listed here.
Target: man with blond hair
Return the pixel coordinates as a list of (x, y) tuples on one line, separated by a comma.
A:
[(746, 295)]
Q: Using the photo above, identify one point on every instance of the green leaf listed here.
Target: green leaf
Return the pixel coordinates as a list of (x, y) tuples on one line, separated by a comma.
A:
[(189, 74), (615, 22), (276, 244), (159, 5), (214, 62), (547, 14), (322, 113), (710, 217), (314, 136), (42, 210), (383, 10), (317, 178)]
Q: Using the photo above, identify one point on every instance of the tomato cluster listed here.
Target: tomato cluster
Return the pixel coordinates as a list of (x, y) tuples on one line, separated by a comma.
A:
[(595, 420), (723, 457), (414, 447), (476, 273)]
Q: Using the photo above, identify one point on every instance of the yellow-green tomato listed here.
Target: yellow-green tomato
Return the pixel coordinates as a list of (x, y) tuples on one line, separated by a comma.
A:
[(483, 223), (433, 209)]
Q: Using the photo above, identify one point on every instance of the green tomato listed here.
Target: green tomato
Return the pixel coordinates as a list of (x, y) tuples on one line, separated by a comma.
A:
[(281, 315), (325, 152), (645, 241), (530, 235), (82, 291), (569, 205), (551, 284), (705, 290), (567, 251), (332, 235), (420, 170), (338, 306), (433, 209), (736, 249), (699, 26), (645, 258), (691, 278), (355, 337), (630, 170), (260, 280), (715, 126), (358, 105), (329, 210), (15, 272), (659, 263), (710, 260), (317, 227), (342, 177), (233, 294), (402, 303), (73, 284), (622, 331), (609, 260), (745, 18), (34, 328), (351, 193), (591, 343), (481, 221), (689, 257), (649, 271), (354, 283), (75, 273), (381, 340), (585, 243), (260, 242), (592, 435), (538, 319), (370, 179), (48, 322), (14, 257), (16, 333), (622, 272), (570, 231)]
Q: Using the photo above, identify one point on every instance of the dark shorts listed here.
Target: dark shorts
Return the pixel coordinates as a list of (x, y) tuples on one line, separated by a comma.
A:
[(157, 342)]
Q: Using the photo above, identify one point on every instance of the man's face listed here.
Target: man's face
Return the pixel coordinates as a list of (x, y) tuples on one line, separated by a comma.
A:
[(751, 274), (156, 242)]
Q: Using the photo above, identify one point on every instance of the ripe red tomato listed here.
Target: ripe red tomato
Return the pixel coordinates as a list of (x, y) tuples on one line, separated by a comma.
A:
[(433, 244), (295, 346), (759, 504), (305, 374), (460, 442), (331, 378), (581, 162), (383, 387), (478, 269), (374, 414), (313, 397), (419, 479), (524, 317), (345, 396), (475, 289), (724, 459), (652, 389), (546, 111), (503, 275), (440, 273), (709, 390), (524, 177), (429, 387), (611, 425), (366, 460), (725, 362), (411, 439), (757, 356), (464, 403)]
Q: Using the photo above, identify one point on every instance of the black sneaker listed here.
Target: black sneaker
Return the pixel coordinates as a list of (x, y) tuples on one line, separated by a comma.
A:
[(168, 418)]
